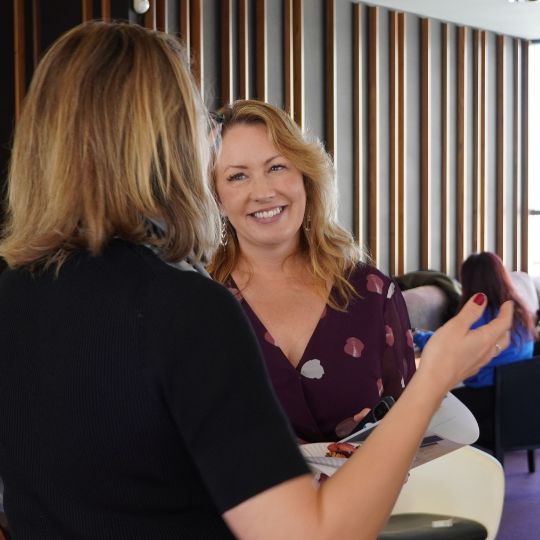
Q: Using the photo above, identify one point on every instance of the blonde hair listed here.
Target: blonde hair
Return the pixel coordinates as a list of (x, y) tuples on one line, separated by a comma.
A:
[(330, 250), (112, 135)]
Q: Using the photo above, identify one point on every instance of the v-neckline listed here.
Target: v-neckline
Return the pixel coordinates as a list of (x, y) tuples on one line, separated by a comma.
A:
[(302, 359)]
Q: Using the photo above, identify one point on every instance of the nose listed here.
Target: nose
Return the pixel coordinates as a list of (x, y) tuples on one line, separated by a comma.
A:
[(261, 188)]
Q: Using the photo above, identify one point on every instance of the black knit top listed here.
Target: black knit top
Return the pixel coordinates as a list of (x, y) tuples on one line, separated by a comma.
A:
[(133, 402)]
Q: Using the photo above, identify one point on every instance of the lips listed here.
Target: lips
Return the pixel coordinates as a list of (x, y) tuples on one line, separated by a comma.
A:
[(269, 213)]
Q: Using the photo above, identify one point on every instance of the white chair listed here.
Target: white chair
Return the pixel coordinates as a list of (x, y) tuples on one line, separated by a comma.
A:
[(465, 483)]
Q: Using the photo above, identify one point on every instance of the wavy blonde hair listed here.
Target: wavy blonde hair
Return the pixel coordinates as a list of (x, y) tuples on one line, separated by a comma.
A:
[(330, 250), (112, 135)]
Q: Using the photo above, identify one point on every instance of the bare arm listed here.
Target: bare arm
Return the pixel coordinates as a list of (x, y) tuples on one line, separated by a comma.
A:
[(356, 501)]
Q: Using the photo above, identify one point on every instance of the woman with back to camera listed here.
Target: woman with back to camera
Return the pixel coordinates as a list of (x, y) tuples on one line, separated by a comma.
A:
[(333, 329), (485, 272), (133, 399)]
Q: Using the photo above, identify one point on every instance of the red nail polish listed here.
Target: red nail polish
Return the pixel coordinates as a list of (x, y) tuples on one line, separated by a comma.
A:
[(479, 298)]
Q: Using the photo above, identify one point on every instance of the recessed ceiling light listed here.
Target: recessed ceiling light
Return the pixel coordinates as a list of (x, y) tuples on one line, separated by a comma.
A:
[(521, 1)]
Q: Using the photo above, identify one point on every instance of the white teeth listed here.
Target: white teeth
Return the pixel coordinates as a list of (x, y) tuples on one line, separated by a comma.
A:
[(268, 213)]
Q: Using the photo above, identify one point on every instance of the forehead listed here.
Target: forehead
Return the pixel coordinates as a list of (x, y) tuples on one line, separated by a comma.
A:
[(243, 144)]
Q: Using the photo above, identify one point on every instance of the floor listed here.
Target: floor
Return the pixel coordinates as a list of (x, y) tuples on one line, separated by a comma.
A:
[(521, 513)]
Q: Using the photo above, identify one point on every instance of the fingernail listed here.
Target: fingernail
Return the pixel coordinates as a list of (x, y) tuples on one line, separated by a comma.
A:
[(479, 299)]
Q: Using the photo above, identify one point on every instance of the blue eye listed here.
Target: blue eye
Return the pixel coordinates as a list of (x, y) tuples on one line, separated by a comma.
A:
[(277, 167), (237, 176)]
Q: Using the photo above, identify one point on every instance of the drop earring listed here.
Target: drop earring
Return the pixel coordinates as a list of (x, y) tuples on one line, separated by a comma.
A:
[(307, 224), (223, 238)]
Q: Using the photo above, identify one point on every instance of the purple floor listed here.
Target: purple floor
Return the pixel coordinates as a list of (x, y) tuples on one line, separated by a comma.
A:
[(521, 512)]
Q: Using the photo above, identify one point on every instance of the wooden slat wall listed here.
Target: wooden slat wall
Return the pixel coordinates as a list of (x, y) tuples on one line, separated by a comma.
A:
[(482, 208), (87, 7), (261, 66), (243, 49), (184, 24), (445, 151), (19, 56), (516, 172), (150, 16), (106, 10), (425, 94), (373, 119), (476, 143), (298, 60), (243, 39), (358, 162), (197, 42), (393, 132), (330, 77), (288, 56), (226, 21), (401, 159), (162, 18), (524, 263), (501, 161), (36, 32), (461, 148)]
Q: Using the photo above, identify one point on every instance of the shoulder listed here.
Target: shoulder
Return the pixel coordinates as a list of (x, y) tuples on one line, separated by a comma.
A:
[(164, 286), (366, 278)]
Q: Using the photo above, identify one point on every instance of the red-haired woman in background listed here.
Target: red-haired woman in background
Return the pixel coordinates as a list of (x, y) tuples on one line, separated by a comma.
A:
[(485, 272)]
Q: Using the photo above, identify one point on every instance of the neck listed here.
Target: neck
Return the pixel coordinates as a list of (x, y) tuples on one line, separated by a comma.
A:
[(275, 262)]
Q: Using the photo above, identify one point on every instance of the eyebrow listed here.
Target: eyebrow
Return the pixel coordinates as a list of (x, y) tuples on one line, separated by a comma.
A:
[(246, 167)]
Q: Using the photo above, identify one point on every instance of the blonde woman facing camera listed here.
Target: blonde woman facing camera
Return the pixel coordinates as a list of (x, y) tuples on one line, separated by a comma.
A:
[(334, 330), (133, 399)]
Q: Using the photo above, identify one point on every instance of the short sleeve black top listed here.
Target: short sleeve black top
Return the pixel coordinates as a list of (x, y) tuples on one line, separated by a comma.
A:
[(133, 402)]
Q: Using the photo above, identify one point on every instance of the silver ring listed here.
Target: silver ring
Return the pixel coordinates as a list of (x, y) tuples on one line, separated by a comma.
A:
[(498, 348)]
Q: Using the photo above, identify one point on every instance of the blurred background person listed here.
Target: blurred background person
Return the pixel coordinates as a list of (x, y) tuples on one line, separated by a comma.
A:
[(485, 272)]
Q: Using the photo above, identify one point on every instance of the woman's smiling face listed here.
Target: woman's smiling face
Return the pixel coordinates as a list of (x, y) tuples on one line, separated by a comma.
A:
[(260, 191)]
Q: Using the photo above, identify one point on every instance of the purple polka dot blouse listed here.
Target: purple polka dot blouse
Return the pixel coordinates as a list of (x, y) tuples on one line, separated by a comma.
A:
[(352, 359)]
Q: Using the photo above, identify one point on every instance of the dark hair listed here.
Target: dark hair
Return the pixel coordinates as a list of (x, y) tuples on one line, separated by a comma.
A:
[(485, 272)]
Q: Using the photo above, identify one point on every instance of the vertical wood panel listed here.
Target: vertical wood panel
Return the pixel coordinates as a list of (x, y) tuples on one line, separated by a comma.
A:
[(150, 16), (516, 145), (261, 55), (461, 147), (19, 50), (162, 19), (197, 42), (298, 61), (87, 10), (402, 175), (483, 144), (477, 104), (393, 133), (288, 57), (525, 156), (106, 10), (425, 76), (226, 51), (501, 162), (184, 25), (36, 32), (330, 77), (358, 228), (243, 49), (373, 121), (445, 157)]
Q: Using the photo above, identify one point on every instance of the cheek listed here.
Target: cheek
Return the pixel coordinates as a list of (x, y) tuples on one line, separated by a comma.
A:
[(228, 200)]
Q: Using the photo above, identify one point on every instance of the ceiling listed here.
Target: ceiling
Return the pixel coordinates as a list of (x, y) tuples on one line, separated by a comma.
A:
[(519, 19)]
